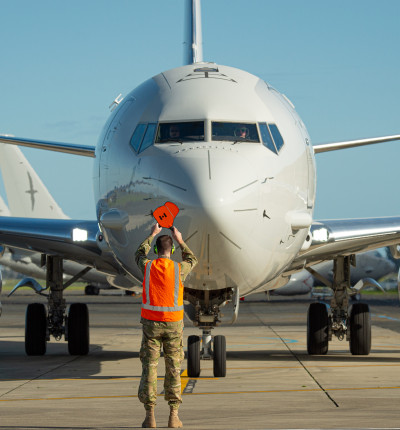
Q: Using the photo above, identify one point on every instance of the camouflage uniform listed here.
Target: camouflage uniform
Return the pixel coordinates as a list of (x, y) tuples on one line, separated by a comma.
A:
[(169, 335)]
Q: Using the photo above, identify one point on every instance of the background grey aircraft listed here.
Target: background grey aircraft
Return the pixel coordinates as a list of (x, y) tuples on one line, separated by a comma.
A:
[(3, 212), (28, 197), (373, 264), (242, 171)]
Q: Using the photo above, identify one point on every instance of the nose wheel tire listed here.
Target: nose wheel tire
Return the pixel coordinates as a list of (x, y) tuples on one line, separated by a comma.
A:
[(360, 329), (317, 329), (35, 329), (78, 329), (193, 356), (219, 356)]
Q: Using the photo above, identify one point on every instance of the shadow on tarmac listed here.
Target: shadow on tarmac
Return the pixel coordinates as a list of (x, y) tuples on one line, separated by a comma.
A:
[(279, 355), (57, 363)]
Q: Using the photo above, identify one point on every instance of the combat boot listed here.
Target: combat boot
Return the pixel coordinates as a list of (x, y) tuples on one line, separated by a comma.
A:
[(174, 422), (150, 420)]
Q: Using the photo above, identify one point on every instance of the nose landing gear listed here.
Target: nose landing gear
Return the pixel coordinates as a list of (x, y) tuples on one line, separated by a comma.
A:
[(219, 356), (204, 311), (213, 349)]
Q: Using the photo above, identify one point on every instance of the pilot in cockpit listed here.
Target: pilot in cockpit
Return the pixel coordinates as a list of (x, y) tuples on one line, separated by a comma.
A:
[(242, 132), (174, 132)]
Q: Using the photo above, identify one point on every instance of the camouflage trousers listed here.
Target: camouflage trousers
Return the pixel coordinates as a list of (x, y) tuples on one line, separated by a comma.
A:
[(169, 335)]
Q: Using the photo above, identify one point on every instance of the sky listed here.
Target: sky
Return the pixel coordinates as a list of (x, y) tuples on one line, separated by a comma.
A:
[(63, 62)]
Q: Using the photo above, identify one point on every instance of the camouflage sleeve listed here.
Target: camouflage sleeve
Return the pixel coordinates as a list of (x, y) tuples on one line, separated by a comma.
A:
[(141, 253), (189, 261)]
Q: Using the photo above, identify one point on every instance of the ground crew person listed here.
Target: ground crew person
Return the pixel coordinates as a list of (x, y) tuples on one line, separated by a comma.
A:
[(162, 321)]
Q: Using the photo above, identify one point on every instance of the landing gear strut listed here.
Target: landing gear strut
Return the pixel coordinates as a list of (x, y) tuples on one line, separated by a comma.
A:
[(352, 324), (41, 324)]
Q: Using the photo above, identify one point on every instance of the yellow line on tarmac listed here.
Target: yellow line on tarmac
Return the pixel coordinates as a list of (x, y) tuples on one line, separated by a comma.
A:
[(109, 378), (71, 398), (313, 365), (105, 379), (206, 393), (292, 391), (184, 380)]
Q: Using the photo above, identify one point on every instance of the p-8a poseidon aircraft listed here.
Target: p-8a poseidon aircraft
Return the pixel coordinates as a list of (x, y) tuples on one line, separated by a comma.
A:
[(232, 153)]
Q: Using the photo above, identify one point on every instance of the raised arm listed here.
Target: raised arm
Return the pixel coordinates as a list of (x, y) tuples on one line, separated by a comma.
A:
[(189, 260), (144, 248)]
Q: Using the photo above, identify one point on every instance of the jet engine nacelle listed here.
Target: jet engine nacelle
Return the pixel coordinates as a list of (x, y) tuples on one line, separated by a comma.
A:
[(124, 282)]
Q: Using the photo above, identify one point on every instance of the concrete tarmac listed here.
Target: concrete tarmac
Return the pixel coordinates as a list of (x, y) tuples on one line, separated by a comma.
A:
[(271, 382)]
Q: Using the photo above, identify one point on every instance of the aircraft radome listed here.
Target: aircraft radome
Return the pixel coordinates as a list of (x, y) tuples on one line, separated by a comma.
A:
[(233, 154)]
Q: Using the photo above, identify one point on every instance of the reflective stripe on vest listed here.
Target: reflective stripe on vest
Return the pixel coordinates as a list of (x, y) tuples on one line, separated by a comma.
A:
[(176, 291)]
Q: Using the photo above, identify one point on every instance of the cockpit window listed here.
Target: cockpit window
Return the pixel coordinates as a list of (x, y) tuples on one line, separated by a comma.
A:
[(276, 135), (180, 132), (143, 136), (137, 136), (148, 137), (266, 137), (234, 131), (271, 137)]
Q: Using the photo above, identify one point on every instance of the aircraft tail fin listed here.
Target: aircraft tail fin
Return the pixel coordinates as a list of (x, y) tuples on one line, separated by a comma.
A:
[(26, 194), (4, 211), (193, 42)]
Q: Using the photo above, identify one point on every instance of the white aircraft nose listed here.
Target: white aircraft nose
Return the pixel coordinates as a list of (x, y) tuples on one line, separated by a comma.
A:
[(217, 191), (216, 185)]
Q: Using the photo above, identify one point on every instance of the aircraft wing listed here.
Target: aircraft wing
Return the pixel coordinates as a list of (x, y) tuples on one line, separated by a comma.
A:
[(68, 148), (70, 239), (334, 146), (332, 238)]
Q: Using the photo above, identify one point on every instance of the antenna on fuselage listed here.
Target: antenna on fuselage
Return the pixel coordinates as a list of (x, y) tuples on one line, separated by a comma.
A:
[(193, 43)]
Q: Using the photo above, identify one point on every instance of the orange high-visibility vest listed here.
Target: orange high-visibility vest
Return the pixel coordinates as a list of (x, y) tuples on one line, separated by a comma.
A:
[(162, 298)]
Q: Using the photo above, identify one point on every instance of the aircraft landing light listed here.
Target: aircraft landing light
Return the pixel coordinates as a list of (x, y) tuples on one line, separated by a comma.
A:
[(79, 235), (320, 235)]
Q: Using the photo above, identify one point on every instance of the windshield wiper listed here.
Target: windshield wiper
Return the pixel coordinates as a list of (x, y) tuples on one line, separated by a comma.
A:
[(171, 140), (242, 140)]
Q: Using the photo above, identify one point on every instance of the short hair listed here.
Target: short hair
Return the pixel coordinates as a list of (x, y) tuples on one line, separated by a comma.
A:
[(164, 244)]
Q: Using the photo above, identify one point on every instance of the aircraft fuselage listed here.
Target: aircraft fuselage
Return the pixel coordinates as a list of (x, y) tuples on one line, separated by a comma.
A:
[(245, 202)]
